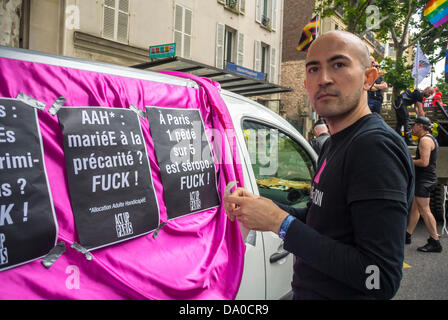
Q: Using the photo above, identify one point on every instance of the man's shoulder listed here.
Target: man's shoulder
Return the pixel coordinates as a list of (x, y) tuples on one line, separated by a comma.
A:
[(427, 140), (416, 94), (319, 141), (376, 146), (376, 131), (322, 136)]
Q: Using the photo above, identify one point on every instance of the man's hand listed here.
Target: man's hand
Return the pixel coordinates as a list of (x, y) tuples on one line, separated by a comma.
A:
[(230, 207), (256, 213)]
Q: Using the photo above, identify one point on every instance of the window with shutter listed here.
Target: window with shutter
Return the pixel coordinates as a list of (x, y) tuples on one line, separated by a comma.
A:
[(274, 14), (257, 56), (178, 28), (240, 50), (116, 20), (273, 65), (232, 3), (228, 46), (187, 33), (220, 35), (266, 13), (242, 6), (264, 58), (265, 7), (123, 20), (183, 30), (109, 22), (258, 11)]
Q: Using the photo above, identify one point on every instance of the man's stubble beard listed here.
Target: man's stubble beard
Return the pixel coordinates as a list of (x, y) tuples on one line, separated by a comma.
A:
[(335, 111)]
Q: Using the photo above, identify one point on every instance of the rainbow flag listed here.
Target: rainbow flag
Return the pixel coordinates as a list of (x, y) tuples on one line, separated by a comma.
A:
[(436, 11), (309, 33)]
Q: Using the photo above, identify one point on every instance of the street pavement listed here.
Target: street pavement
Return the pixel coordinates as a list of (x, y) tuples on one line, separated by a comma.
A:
[(425, 275)]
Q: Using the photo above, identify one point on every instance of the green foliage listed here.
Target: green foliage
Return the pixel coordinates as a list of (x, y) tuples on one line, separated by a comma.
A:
[(397, 19), (442, 86), (398, 74), (433, 43), (357, 14)]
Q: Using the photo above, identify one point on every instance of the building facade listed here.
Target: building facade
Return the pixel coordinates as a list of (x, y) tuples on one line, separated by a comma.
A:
[(246, 33), (295, 106)]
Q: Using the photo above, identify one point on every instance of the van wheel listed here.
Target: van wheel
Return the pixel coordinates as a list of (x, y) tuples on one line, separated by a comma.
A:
[(438, 202)]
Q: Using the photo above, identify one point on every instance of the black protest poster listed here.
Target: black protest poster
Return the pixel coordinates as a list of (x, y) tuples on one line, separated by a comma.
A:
[(109, 177), (28, 226), (185, 159)]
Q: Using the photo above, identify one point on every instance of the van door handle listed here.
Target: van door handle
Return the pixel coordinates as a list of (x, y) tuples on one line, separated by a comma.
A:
[(278, 256)]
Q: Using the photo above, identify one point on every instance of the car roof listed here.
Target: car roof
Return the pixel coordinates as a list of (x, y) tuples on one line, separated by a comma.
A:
[(239, 104)]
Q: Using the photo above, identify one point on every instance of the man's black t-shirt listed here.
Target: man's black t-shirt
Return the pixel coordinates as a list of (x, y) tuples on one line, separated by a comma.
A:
[(412, 96), (356, 218), (378, 94)]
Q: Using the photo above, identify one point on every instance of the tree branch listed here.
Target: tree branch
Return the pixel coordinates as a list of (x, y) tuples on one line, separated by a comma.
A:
[(406, 24), (413, 42), (361, 12), (394, 36), (437, 35)]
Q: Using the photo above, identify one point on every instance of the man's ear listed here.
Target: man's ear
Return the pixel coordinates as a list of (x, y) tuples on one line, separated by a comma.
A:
[(371, 75), (304, 83)]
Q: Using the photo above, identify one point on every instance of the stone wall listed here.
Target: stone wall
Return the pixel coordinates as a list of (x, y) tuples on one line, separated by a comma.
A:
[(295, 106), (10, 12), (297, 14)]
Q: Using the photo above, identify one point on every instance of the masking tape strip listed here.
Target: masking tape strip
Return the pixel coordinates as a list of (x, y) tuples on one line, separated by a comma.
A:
[(53, 255), (251, 237), (156, 232), (229, 187), (31, 101), (57, 105), (83, 250), (139, 112)]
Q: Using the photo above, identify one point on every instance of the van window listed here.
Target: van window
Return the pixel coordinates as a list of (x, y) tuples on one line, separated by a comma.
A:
[(281, 166)]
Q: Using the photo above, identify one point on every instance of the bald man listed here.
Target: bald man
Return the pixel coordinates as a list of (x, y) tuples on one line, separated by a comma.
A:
[(349, 239), (321, 135), (375, 93)]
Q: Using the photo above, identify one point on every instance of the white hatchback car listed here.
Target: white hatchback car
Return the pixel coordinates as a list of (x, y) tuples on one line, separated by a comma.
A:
[(278, 163)]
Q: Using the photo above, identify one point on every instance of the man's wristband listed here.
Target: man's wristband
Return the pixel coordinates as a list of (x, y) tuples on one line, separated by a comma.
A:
[(285, 225)]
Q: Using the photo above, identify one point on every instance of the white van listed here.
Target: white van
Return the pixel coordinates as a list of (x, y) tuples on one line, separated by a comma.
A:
[(278, 164), (268, 267)]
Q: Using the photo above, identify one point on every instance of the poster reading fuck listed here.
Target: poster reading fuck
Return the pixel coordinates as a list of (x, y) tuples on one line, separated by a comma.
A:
[(185, 159), (109, 176), (28, 226)]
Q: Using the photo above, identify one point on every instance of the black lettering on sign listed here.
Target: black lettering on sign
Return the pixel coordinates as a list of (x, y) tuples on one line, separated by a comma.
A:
[(27, 219), (111, 188), (185, 159)]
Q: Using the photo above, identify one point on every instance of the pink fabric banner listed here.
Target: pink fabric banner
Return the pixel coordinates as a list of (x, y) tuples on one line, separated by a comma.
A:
[(199, 256)]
